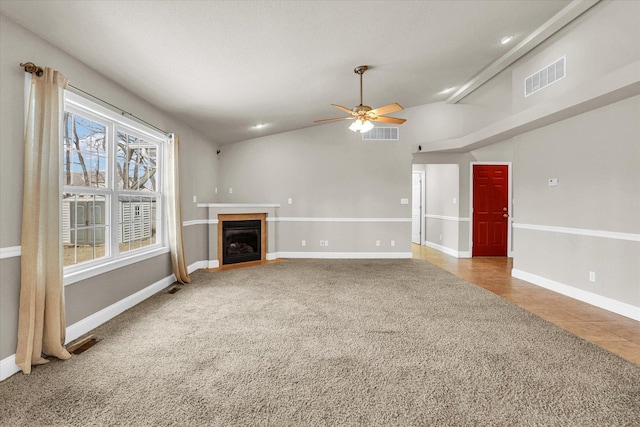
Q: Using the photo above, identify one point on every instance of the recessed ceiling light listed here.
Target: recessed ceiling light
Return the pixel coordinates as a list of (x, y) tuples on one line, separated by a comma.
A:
[(506, 39), (259, 125)]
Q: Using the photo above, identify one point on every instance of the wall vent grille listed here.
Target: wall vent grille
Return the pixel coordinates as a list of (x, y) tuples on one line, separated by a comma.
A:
[(543, 78), (382, 134)]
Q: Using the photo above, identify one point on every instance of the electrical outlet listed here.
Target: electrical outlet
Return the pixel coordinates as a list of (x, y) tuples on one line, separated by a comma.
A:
[(230, 190), (215, 190), (321, 242), (304, 243), (326, 243), (441, 237), (377, 242), (393, 243), (290, 200), (592, 276), (195, 199)]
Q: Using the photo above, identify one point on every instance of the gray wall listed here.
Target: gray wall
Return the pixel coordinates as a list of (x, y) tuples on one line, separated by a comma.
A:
[(199, 178), (330, 173), (602, 40), (442, 187), (453, 229), (596, 157)]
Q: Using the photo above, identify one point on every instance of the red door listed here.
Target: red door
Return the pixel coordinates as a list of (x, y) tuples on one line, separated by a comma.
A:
[(490, 210)]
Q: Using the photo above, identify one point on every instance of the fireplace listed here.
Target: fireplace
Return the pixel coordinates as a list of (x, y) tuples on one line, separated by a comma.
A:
[(241, 238), (241, 241)]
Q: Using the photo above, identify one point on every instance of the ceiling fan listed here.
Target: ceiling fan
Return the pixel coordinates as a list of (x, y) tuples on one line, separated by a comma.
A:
[(363, 114)]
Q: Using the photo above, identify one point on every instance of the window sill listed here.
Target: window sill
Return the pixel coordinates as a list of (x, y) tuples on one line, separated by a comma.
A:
[(95, 270)]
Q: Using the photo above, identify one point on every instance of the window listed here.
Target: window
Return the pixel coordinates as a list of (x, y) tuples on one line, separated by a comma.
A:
[(112, 190)]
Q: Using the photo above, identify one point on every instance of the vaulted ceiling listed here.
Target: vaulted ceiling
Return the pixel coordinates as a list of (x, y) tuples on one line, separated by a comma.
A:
[(224, 66)]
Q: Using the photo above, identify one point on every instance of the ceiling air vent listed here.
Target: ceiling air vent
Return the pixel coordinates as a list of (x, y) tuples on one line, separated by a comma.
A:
[(543, 78), (382, 134)]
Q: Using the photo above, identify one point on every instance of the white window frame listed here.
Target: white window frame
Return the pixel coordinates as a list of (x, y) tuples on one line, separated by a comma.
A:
[(116, 122)]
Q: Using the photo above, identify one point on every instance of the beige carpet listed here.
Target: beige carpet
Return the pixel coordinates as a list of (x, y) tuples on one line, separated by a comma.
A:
[(329, 343)]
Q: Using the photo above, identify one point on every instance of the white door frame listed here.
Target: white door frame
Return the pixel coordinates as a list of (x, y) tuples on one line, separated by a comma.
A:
[(422, 207), (510, 204)]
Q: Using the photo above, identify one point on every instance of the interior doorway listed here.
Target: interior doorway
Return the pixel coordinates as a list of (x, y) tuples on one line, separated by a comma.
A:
[(491, 207), (417, 222)]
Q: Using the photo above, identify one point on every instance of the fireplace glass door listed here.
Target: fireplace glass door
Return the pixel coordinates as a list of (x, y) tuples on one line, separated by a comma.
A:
[(241, 241)]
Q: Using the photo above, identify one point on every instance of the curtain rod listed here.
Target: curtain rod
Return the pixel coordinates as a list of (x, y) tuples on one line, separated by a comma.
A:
[(30, 67)]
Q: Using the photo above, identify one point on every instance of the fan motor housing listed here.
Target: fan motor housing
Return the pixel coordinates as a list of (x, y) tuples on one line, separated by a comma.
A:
[(361, 109)]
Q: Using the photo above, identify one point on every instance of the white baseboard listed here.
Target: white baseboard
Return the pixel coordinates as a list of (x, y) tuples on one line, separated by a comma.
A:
[(606, 303), (448, 251), (346, 255), (8, 367), (96, 319), (197, 266)]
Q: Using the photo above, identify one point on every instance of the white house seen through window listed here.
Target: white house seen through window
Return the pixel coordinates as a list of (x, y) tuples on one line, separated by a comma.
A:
[(112, 186)]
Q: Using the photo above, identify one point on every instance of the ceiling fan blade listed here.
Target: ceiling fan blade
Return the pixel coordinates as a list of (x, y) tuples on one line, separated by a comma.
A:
[(389, 120), (387, 109), (345, 109), (333, 120)]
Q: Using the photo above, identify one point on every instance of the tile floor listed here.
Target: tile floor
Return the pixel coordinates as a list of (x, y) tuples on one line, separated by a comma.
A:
[(618, 334)]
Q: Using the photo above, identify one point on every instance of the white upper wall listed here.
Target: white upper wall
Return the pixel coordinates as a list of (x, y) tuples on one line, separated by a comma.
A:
[(598, 45), (602, 40)]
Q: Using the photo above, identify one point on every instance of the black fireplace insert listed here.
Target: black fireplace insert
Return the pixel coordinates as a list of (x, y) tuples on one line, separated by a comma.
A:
[(241, 241)]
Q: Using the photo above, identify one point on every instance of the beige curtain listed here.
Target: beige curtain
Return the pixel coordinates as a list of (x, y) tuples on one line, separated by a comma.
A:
[(41, 321), (174, 213)]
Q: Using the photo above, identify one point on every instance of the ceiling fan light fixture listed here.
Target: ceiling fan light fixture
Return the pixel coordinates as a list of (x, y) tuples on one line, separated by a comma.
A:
[(356, 126), (361, 125), (366, 126), (363, 115)]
